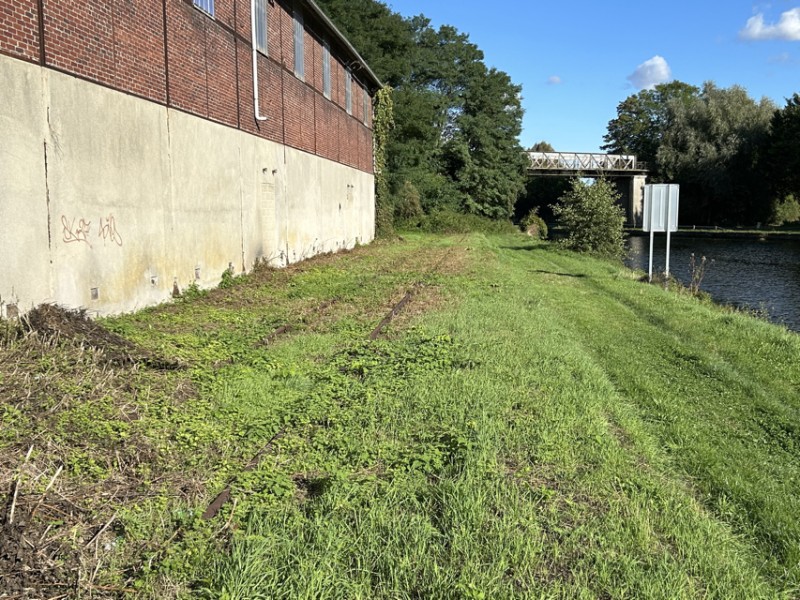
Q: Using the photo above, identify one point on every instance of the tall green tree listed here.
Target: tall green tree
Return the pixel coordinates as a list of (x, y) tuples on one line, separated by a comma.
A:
[(783, 149), (641, 121), (712, 146), (542, 146), (456, 121), (484, 157)]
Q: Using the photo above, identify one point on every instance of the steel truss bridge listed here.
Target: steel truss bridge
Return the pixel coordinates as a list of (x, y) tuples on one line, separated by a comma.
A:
[(623, 170), (578, 164)]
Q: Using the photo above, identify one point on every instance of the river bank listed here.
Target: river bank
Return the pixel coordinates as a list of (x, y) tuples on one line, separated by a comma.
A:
[(530, 423), (761, 275), (728, 234)]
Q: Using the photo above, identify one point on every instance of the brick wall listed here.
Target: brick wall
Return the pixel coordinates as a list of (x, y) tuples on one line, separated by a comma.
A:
[(202, 65), (19, 29), (79, 38), (139, 49)]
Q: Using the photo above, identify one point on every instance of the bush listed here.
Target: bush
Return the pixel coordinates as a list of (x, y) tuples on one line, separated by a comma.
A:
[(534, 225), (592, 219), (784, 211), (408, 204), (450, 221)]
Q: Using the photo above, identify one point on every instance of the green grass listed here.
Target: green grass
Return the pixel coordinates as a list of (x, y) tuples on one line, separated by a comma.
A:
[(538, 425)]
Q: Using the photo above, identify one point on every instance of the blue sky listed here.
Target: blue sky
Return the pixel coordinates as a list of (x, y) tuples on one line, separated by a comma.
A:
[(577, 60)]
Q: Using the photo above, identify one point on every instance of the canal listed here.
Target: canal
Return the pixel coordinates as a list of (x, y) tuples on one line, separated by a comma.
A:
[(747, 273)]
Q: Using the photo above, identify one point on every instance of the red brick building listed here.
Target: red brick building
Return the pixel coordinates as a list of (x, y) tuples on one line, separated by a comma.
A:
[(120, 109)]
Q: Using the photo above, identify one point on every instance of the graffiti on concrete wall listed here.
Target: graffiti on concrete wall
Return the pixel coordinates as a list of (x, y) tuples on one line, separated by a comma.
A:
[(76, 232), (108, 230), (79, 230)]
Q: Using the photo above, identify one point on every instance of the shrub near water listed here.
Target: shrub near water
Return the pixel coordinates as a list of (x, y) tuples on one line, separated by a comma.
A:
[(592, 218)]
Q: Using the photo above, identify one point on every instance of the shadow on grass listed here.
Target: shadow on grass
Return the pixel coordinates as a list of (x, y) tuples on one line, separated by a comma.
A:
[(574, 275)]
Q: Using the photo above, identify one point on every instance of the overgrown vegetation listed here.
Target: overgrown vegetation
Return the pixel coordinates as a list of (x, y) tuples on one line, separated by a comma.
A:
[(382, 126), (534, 225), (736, 158), (456, 120), (535, 423)]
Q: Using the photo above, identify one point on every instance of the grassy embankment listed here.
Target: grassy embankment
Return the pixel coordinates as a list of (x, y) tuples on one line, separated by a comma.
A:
[(536, 424)]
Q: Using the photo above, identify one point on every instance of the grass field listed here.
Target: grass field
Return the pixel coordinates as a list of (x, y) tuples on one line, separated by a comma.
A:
[(533, 424)]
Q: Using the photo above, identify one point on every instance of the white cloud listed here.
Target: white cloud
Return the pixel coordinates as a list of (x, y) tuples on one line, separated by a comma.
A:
[(553, 80), (650, 73), (787, 27)]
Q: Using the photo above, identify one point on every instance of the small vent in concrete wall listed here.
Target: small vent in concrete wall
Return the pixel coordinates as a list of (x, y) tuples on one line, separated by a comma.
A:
[(154, 280), (94, 293), (197, 273)]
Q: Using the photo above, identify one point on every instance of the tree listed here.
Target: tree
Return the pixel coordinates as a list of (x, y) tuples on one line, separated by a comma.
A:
[(592, 218), (484, 157), (783, 149), (542, 146), (641, 121), (712, 146), (456, 122)]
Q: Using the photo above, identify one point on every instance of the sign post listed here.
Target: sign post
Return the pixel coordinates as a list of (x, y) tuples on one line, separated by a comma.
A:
[(660, 214)]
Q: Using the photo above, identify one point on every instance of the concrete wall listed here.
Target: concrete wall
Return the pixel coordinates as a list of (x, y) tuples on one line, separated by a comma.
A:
[(108, 200), (631, 190)]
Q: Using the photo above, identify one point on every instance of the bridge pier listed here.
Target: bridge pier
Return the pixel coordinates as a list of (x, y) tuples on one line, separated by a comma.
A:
[(631, 190)]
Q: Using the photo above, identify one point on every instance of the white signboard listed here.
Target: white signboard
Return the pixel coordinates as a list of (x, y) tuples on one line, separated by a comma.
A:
[(661, 207)]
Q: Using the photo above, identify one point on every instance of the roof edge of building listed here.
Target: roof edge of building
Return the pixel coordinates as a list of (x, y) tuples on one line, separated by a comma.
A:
[(373, 79)]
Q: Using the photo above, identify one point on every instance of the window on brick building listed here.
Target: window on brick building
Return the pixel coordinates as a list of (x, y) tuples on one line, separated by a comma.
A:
[(348, 92), (299, 53), (205, 6), (326, 69), (261, 26), (365, 105)]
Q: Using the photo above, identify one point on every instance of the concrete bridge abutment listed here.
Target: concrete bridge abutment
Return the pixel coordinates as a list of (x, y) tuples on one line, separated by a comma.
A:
[(631, 191)]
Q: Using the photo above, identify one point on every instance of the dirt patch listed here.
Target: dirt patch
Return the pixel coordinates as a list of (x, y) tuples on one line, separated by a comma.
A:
[(74, 450), (28, 571), (53, 323)]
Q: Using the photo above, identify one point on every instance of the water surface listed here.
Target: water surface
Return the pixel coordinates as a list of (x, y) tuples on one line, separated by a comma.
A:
[(751, 274)]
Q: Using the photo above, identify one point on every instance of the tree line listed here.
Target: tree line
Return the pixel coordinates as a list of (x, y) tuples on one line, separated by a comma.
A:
[(455, 125), (737, 159), (455, 140)]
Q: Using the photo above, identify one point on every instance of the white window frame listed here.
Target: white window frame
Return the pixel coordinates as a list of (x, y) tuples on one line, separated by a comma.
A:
[(299, 45), (262, 28), (207, 6), (348, 92), (326, 69)]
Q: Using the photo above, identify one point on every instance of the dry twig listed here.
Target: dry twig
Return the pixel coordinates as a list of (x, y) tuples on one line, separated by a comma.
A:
[(16, 487)]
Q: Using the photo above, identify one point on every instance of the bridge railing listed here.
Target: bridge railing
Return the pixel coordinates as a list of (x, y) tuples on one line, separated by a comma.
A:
[(576, 161)]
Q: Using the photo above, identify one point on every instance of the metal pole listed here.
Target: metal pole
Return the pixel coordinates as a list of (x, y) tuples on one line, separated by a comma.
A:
[(666, 272), (669, 228), (652, 236)]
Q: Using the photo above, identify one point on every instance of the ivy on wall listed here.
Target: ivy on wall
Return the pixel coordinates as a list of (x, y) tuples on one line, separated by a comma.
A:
[(383, 124)]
